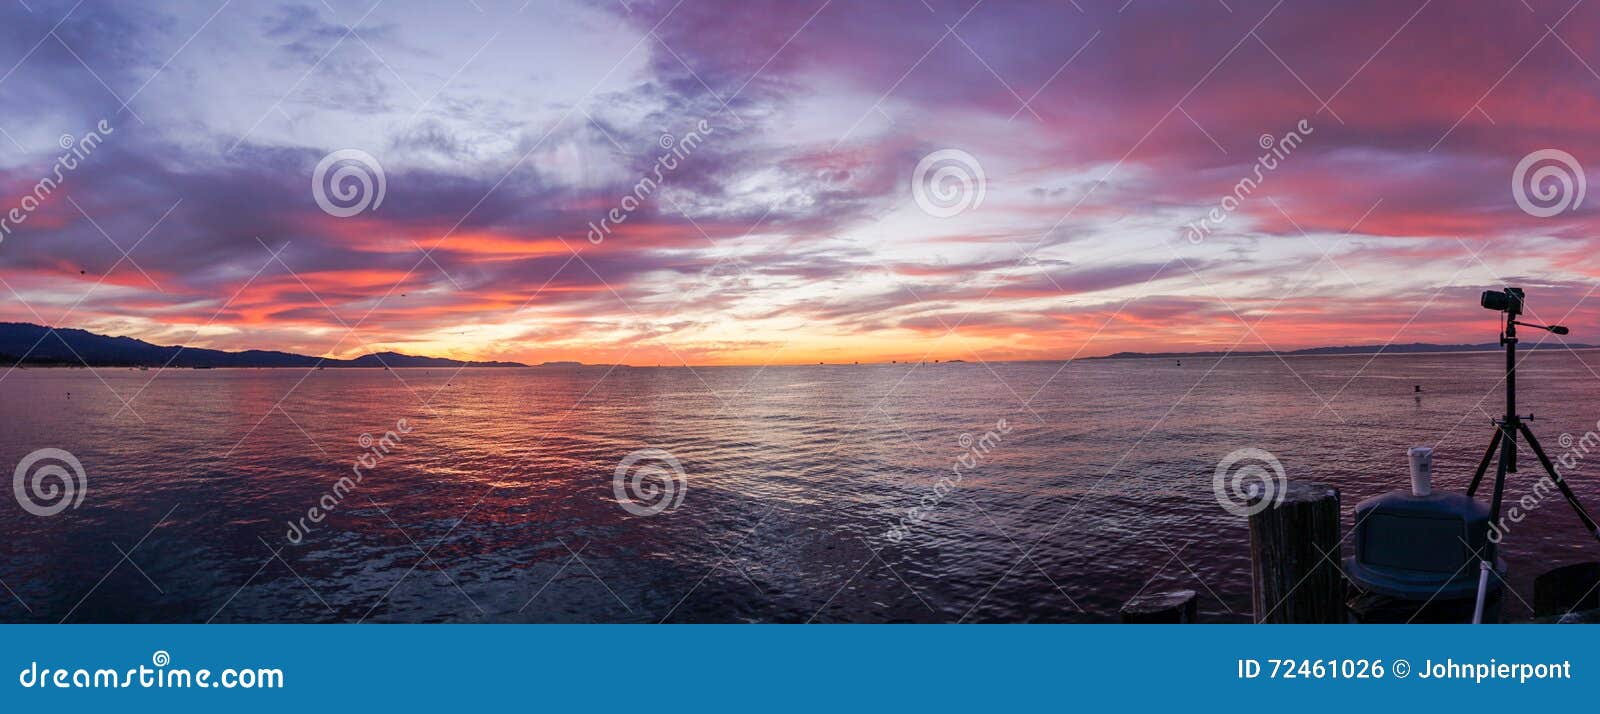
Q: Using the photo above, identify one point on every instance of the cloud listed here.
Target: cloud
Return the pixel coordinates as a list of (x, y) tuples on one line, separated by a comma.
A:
[(789, 227)]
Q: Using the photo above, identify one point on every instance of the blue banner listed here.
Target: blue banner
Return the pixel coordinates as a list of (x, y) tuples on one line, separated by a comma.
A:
[(759, 668)]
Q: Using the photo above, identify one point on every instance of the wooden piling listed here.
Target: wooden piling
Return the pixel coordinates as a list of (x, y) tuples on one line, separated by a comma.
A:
[(1171, 608), (1294, 556)]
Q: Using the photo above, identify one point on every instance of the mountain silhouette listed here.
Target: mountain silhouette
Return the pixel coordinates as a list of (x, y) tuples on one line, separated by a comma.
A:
[(32, 344)]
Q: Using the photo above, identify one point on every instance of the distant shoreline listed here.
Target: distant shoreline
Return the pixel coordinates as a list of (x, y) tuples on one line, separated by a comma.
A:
[(1132, 357), (1407, 349), (73, 348)]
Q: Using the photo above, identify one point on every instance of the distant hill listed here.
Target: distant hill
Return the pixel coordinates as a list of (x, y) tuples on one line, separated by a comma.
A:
[(75, 347), (1409, 348)]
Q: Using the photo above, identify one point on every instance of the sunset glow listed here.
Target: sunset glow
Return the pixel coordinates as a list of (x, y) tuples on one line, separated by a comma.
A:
[(789, 231)]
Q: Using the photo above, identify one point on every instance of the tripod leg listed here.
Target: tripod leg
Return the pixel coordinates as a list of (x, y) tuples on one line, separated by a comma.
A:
[(1483, 466), (1566, 490), (1486, 565)]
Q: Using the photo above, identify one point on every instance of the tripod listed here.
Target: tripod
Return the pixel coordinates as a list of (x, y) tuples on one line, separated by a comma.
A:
[(1505, 439)]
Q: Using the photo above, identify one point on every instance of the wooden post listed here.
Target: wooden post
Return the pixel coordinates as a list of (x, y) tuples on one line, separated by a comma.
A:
[(1177, 607), (1294, 557)]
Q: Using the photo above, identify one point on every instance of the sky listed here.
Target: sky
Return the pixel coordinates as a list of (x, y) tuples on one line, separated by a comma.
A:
[(755, 182)]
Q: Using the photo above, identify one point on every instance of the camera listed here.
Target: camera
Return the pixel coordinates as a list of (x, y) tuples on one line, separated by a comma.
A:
[(1509, 301)]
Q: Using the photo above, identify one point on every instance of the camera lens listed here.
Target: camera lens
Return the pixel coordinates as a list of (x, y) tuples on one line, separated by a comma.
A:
[(1494, 300)]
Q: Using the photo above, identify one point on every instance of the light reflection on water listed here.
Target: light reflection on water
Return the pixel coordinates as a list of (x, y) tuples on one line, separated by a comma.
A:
[(1101, 488)]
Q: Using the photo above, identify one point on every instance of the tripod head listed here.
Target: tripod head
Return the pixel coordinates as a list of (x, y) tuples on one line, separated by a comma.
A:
[(1510, 302)]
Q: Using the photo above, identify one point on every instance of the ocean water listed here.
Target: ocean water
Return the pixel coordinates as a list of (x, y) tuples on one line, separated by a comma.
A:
[(1080, 486)]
